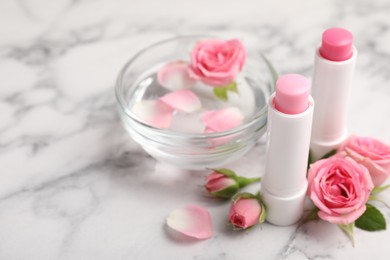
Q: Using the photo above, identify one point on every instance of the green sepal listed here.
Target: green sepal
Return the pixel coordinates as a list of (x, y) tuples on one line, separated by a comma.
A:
[(371, 220), (311, 216), (221, 92), (348, 230), (243, 181), (226, 193), (263, 213), (227, 172), (380, 189), (244, 195)]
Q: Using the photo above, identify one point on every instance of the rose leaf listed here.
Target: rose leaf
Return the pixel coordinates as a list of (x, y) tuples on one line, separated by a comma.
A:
[(371, 220), (329, 154)]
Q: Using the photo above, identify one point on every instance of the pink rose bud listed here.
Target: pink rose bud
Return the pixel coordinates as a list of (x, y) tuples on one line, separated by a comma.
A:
[(340, 188), (246, 211), (217, 62), (224, 183), (370, 152)]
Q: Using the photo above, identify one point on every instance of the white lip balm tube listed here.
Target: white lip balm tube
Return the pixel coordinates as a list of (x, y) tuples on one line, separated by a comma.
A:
[(284, 185), (334, 65)]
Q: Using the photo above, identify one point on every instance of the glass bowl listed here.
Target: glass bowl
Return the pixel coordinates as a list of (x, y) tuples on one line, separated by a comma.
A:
[(185, 149)]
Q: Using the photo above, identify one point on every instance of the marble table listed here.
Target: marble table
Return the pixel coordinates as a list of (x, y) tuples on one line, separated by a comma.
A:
[(74, 185)]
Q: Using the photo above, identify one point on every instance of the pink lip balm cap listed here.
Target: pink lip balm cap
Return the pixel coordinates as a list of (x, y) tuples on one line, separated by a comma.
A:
[(336, 44), (292, 94)]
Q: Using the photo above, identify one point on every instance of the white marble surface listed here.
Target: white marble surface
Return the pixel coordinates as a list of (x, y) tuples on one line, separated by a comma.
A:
[(73, 185)]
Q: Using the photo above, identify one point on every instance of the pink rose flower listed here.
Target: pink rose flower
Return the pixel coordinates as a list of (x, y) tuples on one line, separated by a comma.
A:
[(340, 188), (370, 152), (246, 211), (217, 62)]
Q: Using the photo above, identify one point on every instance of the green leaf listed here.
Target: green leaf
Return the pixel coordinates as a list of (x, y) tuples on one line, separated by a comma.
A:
[(222, 92), (380, 189), (348, 230), (329, 154), (371, 220)]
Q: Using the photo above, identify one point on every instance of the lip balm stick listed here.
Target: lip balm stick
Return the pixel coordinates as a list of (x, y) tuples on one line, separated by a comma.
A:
[(334, 65), (284, 185)]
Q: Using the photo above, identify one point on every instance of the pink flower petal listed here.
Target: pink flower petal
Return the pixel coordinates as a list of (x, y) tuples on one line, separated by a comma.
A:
[(219, 184), (214, 175), (183, 99), (175, 75), (192, 220), (153, 112), (222, 120)]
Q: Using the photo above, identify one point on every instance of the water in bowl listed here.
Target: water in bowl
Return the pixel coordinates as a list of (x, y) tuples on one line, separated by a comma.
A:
[(249, 99)]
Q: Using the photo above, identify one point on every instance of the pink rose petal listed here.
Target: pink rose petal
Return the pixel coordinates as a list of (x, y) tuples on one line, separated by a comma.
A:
[(214, 175), (153, 112), (222, 120), (175, 75), (192, 220), (183, 99)]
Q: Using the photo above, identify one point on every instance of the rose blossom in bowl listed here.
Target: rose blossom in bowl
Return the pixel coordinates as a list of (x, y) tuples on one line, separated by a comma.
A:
[(195, 101)]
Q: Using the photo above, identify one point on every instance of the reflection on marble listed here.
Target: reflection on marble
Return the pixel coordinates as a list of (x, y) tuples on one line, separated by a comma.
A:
[(73, 185)]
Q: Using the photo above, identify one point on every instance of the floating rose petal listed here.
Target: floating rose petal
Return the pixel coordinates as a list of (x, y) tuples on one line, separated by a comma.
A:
[(153, 112), (192, 220), (183, 99), (222, 120), (175, 75)]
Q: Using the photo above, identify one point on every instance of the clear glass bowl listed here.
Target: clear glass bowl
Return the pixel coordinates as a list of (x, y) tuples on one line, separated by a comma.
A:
[(192, 150)]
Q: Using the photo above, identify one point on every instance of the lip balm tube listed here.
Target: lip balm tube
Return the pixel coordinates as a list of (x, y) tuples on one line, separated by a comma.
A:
[(284, 185), (334, 65)]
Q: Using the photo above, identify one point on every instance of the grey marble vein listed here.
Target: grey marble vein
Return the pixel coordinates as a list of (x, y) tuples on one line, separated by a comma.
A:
[(73, 185)]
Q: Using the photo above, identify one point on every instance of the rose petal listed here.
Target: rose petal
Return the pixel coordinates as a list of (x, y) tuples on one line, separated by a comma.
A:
[(153, 112), (183, 99), (222, 120), (342, 219), (219, 184), (214, 175), (175, 75), (192, 220)]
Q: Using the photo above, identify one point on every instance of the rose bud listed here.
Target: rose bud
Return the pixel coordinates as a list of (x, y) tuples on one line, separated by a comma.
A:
[(246, 211), (224, 183), (370, 152)]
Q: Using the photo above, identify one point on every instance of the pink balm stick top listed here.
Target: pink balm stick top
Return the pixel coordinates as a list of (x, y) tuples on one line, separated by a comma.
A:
[(292, 94), (336, 44)]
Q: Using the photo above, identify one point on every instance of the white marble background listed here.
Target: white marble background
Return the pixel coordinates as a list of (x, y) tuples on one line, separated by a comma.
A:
[(73, 185)]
